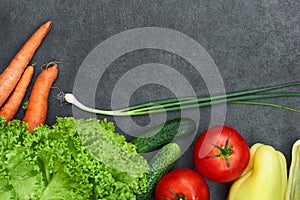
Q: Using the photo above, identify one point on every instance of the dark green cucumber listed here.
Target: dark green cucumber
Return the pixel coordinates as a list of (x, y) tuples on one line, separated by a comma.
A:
[(159, 165), (164, 133)]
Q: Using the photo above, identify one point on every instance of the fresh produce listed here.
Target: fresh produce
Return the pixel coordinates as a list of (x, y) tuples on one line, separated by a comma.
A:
[(164, 133), (264, 178), (176, 104), (12, 105), (221, 154), (12, 74), (87, 159), (36, 111), (293, 185), (160, 164), (182, 184), (56, 162)]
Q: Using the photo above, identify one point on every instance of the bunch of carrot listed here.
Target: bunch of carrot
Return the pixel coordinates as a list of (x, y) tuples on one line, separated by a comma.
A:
[(16, 77)]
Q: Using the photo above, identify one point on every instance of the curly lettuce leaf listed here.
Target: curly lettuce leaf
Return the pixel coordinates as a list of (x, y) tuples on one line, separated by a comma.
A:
[(6, 190), (111, 148), (20, 178), (54, 163)]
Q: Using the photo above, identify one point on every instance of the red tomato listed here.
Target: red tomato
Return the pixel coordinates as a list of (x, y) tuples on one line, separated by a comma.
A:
[(221, 154), (180, 183)]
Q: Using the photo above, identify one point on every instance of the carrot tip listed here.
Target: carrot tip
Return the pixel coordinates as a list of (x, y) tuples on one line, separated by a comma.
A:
[(48, 24), (49, 64)]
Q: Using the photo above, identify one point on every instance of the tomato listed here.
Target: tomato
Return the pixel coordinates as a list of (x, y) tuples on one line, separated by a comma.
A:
[(180, 184), (221, 154)]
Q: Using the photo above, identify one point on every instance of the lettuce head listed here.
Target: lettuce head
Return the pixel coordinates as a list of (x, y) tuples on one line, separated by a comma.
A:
[(73, 159)]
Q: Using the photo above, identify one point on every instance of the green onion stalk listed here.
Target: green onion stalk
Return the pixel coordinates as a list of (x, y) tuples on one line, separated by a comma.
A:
[(248, 97)]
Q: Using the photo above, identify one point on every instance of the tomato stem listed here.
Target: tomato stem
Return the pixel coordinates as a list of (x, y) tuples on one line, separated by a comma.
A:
[(177, 196), (225, 151)]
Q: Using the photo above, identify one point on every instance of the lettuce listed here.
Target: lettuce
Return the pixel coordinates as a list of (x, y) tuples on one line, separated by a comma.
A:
[(73, 159)]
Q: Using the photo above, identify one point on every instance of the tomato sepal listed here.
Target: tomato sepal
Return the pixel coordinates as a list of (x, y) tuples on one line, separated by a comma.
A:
[(225, 151), (177, 196)]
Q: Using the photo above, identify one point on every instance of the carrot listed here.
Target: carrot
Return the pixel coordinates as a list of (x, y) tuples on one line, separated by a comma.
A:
[(13, 72), (36, 111), (12, 105)]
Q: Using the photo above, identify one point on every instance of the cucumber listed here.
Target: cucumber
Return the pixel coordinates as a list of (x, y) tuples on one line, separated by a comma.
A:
[(159, 165), (164, 133)]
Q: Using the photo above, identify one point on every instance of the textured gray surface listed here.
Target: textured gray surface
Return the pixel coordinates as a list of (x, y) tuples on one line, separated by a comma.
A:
[(253, 43)]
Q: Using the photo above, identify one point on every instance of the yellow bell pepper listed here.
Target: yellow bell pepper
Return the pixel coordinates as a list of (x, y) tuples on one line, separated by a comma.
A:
[(265, 177), (293, 187)]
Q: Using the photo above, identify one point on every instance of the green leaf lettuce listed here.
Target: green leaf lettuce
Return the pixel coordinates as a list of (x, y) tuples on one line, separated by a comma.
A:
[(73, 159)]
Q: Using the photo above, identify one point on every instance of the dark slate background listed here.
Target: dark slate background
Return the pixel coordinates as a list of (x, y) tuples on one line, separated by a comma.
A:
[(253, 43)]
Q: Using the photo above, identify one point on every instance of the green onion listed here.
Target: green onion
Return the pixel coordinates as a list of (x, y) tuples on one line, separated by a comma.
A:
[(176, 104)]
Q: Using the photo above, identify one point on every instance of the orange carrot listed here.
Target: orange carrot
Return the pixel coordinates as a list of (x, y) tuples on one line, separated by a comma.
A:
[(36, 111), (12, 105), (13, 72)]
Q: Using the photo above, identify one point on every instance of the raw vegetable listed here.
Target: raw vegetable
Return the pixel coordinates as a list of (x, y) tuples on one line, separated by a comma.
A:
[(11, 107), (221, 154), (12, 74), (164, 133), (54, 162), (176, 104), (292, 191), (182, 184), (123, 161), (36, 111), (264, 178), (160, 164)]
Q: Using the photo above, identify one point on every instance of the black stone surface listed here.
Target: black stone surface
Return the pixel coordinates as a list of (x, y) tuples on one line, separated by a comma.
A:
[(253, 43)]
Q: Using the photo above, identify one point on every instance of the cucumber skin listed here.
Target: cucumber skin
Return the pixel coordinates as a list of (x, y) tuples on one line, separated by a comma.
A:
[(163, 133), (160, 164)]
